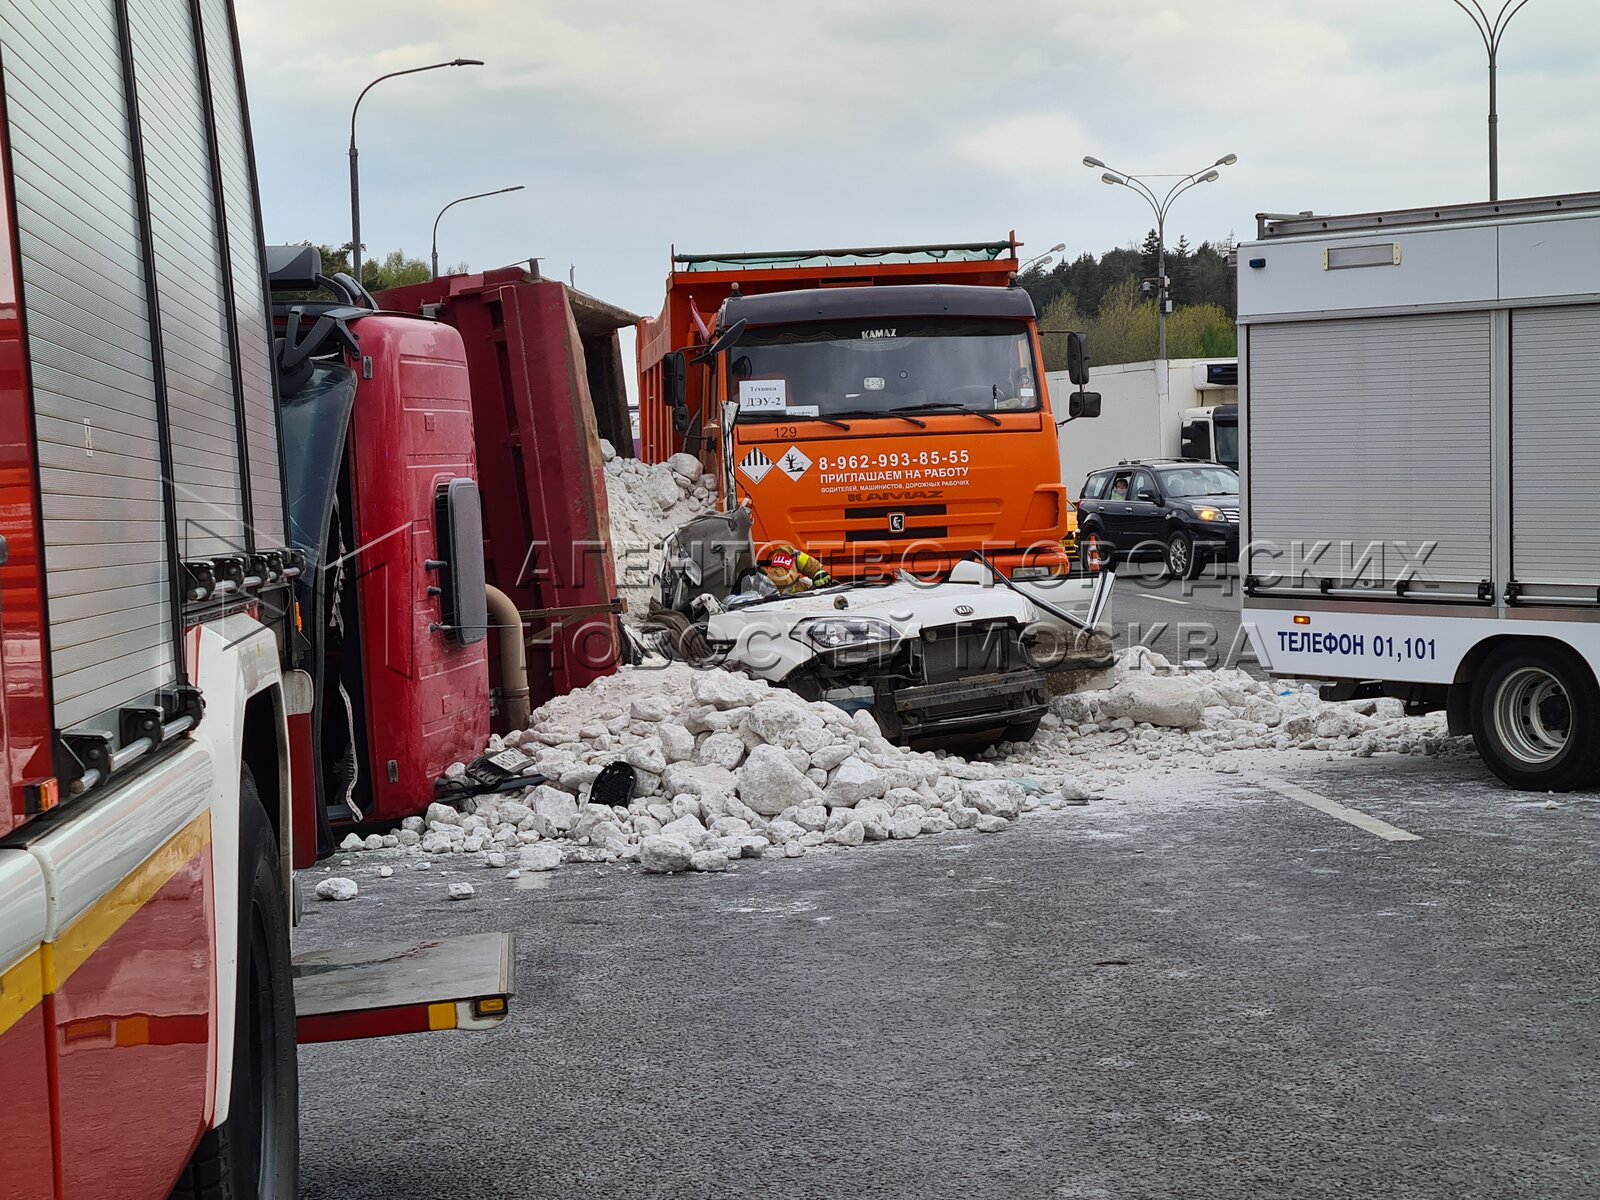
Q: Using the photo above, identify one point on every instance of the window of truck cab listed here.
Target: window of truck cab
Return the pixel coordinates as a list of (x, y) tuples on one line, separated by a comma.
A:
[(922, 365)]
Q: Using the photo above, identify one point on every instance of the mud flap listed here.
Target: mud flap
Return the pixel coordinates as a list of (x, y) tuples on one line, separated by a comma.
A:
[(380, 991)]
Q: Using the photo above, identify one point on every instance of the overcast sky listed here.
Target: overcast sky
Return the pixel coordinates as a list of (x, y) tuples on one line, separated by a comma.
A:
[(782, 124)]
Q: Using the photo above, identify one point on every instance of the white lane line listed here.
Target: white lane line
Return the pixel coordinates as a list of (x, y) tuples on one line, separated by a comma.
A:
[(1164, 599), (1291, 791)]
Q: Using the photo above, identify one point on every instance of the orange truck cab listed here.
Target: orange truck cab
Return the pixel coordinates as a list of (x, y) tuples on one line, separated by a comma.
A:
[(878, 408)]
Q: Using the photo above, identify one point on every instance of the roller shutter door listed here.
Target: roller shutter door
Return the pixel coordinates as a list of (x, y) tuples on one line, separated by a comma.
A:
[(1555, 450), (91, 361), (1370, 433), (242, 222), (196, 351)]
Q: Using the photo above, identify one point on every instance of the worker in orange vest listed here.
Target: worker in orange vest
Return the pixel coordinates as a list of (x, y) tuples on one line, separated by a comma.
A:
[(793, 571)]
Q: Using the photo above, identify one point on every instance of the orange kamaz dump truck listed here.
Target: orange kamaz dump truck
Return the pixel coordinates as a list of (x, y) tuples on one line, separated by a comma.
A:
[(879, 408)]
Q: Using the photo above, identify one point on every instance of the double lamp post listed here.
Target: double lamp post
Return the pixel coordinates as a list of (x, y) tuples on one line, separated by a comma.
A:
[(355, 175), (1160, 207)]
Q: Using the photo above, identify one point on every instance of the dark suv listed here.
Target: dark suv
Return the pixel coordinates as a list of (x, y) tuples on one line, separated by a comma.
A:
[(1177, 509)]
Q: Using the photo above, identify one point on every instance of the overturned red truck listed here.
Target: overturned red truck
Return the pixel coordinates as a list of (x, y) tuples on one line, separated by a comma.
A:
[(442, 459)]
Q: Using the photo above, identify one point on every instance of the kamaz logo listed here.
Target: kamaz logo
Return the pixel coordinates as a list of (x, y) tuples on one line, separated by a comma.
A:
[(878, 333), (897, 522)]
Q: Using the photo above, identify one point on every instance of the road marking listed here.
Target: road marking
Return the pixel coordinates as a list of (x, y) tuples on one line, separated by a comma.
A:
[(1164, 599), (1333, 808)]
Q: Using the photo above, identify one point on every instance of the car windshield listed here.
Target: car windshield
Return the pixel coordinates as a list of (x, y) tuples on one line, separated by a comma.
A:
[(1201, 481), (865, 369)]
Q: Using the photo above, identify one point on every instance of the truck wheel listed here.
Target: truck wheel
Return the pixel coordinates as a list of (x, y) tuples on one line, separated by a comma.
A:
[(1536, 718), (1182, 561), (255, 1153)]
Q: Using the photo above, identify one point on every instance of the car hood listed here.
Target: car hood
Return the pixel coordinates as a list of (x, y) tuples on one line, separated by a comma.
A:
[(762, 637)]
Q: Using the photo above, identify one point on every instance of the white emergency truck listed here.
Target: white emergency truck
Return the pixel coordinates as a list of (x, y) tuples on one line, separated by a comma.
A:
[(1420, 412)]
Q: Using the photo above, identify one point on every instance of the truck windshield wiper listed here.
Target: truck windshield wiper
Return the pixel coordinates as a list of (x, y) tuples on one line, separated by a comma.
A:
[(776, 416), (888, 412), (946, 406)]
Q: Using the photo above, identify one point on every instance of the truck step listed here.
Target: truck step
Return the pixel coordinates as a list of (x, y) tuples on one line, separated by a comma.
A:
[(380, 991)]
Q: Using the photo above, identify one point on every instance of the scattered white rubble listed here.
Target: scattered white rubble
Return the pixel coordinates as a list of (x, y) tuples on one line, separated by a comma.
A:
[(729, 767), (461, 891), (337, 887), (647, 501)]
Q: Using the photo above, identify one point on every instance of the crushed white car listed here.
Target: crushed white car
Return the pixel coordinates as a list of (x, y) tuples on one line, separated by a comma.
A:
[(959, 663)]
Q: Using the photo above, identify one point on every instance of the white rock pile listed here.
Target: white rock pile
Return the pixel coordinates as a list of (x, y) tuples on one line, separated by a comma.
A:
[(1157, 715), (729, 767), (647, 501)]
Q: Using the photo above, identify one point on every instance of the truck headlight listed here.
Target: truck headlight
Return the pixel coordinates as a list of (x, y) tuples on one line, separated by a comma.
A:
[(1208, 514), (850, 640)]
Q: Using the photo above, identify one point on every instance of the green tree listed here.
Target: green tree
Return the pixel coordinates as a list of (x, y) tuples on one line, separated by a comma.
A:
[(1124, 330), (392, 270), (1201, 331), (1059, 318)]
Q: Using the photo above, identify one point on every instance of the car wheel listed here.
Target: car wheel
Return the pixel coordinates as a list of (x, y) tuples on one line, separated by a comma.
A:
[(1536, 718), (1023, 732), (1092, 552), (1182, 560)]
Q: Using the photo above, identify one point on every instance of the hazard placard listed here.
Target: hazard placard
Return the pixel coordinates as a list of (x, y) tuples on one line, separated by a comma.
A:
[(754, 466), (794, 462)]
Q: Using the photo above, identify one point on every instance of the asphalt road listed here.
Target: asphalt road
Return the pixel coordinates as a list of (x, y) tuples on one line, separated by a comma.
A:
[(1185, 620), (1195, 988)]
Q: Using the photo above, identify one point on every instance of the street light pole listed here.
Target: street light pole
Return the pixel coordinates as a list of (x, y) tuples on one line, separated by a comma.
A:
[(1491, 31), (355, 174), (1161, 207), (1042, 260), (452, 204)]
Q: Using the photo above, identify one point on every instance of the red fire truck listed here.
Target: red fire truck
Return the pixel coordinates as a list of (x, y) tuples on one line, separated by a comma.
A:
[(180, 647)]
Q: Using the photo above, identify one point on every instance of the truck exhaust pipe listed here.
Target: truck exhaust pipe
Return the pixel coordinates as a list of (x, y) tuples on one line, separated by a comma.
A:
[(512, 655)]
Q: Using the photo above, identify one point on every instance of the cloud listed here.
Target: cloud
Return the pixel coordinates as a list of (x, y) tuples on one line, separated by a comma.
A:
[(786, 123)]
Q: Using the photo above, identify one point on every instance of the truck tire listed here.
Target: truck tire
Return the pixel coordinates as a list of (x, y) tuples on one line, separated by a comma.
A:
[(1183, 562), (1536, 717), (255, 1153)]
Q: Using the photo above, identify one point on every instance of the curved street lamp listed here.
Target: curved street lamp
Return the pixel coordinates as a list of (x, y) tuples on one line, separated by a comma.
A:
[(1041, 260), (1491, 31), (462, 200), (355, 176), (1161, 207)]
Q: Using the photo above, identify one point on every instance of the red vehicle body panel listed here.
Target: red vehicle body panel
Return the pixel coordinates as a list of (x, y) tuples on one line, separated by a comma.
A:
[(427, 698), (134, 1010), (27, 1161), (547, 530), (24, 682), (303, 790)]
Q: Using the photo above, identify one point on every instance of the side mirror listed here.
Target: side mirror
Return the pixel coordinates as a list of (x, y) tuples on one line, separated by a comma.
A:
[(722, 341), (1146, 496), (1083, 404), (1077, 359), (675, 388), (458, 526)]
